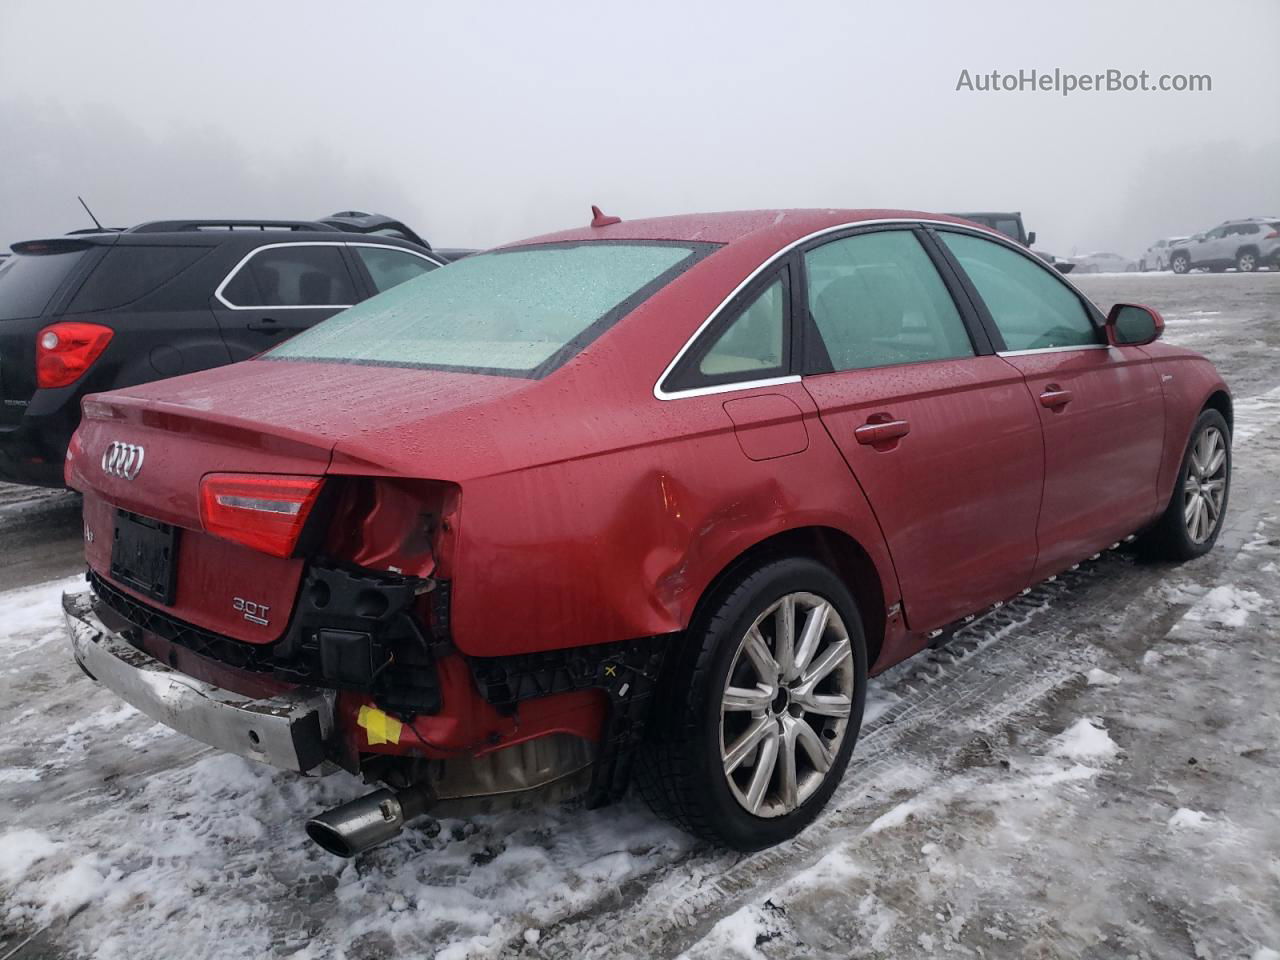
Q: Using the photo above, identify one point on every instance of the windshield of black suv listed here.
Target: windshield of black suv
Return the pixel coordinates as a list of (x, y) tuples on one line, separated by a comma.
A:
[(521, 311), (29, 281)]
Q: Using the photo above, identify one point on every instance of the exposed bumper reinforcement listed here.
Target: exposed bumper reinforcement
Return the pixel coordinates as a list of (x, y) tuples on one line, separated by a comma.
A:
[(287, 731)]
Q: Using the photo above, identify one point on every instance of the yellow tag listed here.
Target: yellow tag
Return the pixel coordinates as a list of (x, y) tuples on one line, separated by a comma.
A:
[(380, 727)]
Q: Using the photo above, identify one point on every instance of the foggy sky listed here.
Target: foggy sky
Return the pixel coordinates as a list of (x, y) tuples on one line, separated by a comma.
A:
[(480, 123)]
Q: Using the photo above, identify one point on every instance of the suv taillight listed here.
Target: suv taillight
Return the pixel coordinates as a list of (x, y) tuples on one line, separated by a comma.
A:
[(264, 511), (66, 350), (1274, 234)]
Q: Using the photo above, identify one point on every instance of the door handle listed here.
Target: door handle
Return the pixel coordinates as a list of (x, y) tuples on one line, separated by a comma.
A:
[(266, 325), (881, 432), (1055, 397)]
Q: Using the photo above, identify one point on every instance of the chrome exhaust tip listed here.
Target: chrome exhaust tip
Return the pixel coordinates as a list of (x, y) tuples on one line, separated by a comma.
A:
[(364, 823)]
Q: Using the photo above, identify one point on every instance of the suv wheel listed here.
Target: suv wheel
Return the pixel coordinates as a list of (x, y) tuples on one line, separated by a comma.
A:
[(1180, 263), (1246, 261), (761, 710), (1190, 524)]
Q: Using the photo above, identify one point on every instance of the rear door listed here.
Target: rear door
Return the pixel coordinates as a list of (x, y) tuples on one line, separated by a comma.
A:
[(1101, 407), (939, 433), (280, 289)]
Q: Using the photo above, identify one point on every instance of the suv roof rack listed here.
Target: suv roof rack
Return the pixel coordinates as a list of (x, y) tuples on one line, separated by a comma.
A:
[(183, 226)]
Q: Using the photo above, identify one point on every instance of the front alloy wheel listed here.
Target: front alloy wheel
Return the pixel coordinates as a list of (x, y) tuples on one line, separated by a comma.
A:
[(1180, 263), (1190, 524), (1205, 484), (786, 704)]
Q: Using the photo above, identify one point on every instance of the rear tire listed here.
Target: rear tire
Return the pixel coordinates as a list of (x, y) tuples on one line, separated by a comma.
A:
[(749, 738), (1190, 525), (1246, 261)]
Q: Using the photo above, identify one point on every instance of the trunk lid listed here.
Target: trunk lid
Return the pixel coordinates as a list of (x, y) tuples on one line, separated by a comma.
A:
[(254, 417)]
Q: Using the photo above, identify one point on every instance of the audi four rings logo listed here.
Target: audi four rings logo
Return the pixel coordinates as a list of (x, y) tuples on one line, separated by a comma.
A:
[(123, 460)]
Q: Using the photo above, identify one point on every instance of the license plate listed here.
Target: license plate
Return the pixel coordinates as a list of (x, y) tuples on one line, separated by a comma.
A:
[(144, 555)]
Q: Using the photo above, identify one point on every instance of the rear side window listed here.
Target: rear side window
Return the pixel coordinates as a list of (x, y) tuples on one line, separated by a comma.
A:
[(876, 299), (127, 274), (1030, 306), (389, 267), (28, 281), (296, 275)]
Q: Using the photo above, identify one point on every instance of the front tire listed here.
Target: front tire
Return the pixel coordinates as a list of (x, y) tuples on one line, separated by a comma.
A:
[(1180, 263), (761, 708), (1190, 525)]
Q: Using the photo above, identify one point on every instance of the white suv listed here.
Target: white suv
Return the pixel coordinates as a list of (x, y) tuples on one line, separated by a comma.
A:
[(1243, 244)]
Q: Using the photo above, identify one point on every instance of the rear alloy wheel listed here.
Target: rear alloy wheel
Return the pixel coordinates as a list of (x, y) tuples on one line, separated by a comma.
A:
[(1190, 525), (1180, 263), (785, 707), (1246, 262), (760, 707)]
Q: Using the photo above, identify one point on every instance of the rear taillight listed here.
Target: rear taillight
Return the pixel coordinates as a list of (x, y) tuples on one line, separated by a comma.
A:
[(1274, 234), (66, 350), (264, 511)]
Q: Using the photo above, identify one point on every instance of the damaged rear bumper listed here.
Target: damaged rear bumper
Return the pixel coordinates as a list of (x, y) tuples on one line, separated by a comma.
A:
[(288, 731)]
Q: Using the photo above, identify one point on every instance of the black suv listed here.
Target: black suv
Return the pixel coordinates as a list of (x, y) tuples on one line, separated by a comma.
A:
[(94, 311)]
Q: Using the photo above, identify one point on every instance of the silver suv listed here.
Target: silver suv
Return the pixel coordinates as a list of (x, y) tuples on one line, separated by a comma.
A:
[(1243, 244)]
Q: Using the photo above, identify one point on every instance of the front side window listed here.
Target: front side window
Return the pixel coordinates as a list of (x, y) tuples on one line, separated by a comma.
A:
[(876, 299), (1029, 305), (389, 267), (520, 311), (296, 275)]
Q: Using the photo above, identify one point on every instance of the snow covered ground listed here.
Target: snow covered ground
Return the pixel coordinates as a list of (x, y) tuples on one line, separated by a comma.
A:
[(1090, 772)]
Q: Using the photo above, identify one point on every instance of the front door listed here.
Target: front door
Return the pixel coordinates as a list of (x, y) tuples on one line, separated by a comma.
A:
[(1101, 407), (944, 443)]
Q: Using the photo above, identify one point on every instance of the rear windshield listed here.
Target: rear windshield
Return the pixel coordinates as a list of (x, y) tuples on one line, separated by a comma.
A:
[(520, 312), (29, 281)]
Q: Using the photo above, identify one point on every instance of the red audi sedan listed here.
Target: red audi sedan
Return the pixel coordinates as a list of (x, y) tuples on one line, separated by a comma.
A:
[(642, 500)]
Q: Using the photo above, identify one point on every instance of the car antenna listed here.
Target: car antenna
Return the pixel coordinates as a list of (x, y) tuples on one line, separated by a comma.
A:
[(600, 219), (89, 212)]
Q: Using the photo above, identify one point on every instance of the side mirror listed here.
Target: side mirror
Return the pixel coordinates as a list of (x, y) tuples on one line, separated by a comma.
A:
[(1031, 239), (1132, 325)]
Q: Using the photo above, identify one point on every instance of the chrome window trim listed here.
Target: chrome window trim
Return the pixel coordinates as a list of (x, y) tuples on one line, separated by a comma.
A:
[(1035, 350), (217, 294), (993, 235)]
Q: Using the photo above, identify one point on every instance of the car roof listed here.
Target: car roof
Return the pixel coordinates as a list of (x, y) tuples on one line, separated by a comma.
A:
[(785, 226)]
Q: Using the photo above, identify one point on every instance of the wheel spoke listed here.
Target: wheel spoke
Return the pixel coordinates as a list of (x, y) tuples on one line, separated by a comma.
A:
[(757, 651), (789, 790), (831, 658), (823, 704), (1197, 458), (784, 635), (762, 776), (741, 749), (814, 627), (808, 740), (754, 701), (1215, 460), (1189, 511)]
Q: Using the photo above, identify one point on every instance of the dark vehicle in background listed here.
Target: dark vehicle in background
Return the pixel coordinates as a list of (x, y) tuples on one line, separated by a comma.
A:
[(1244, 244), (1010, 224), (95, 311)]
